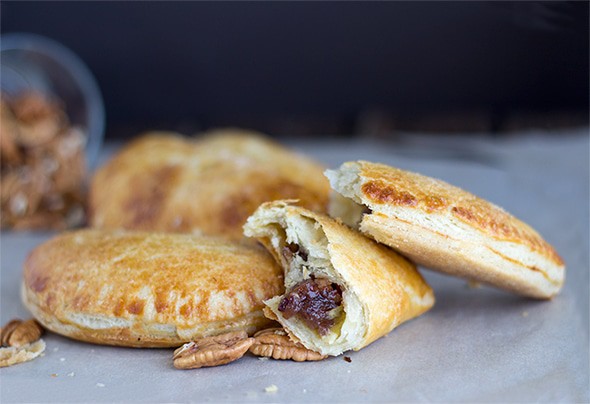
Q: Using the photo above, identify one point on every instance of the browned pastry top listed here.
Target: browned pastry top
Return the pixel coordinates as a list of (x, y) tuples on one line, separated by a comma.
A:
[(154, 284), (208, 185), (388, 185)]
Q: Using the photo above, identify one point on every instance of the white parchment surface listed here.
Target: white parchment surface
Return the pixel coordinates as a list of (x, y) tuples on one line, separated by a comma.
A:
[(475, 345)]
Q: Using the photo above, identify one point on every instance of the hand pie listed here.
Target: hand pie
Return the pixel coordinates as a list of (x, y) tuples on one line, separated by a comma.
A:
[(343, 290), (445, 228), (208, 185), (148, 290)]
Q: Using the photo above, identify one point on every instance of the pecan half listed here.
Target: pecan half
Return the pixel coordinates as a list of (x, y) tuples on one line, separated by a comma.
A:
[(18, 333), (25, 333), (212, 351), (40, 119), (7, 331), (21, 341), (275, 343)]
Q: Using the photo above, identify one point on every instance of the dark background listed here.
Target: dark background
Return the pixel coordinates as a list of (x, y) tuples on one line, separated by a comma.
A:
[(326, 68)]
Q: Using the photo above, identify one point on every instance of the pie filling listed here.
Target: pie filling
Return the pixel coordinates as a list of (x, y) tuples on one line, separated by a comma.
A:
[(316, 302)]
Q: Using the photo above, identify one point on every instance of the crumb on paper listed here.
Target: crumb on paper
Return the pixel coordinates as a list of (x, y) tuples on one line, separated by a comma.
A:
[(99, 384), (62, 359), (347, 359), (473, 284), (54, 375), (271, 389), (71, 374), (525, 313), (263, 358)]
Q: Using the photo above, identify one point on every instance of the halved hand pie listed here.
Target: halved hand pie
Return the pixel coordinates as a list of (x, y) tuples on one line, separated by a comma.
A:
[(343, 290), (443, 227)]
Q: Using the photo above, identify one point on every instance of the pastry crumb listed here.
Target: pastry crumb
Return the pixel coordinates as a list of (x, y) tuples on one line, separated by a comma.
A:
[(71, 374), (62, 359), (263, 358), (54, 375), (99, 384), (347, 359), (271, 389)]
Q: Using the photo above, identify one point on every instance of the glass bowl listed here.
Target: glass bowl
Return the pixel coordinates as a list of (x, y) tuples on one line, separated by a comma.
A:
[(35, 63)]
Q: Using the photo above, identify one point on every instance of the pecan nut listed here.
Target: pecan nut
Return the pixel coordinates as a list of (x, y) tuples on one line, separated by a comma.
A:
[(19, 333), (21, 341), (275, 343), (212, 351), (9, 150), (42, 155), (7, 330)]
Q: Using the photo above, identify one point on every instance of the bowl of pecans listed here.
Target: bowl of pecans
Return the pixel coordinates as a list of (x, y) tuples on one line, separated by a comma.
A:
[(51, 130)]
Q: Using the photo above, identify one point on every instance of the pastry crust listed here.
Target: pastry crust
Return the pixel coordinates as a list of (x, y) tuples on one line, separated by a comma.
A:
[(445, 228), (147, 289), (12, 355), (207, 185), (380, 289)]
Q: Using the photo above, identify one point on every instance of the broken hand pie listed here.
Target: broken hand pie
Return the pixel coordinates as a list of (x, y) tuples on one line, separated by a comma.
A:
[(148, 290), (443, 227), (343, 290)]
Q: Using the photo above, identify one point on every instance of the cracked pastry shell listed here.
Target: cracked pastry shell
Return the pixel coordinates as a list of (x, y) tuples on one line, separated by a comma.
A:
[(445, 228), (205, 185), (147, 289), (381, 289)]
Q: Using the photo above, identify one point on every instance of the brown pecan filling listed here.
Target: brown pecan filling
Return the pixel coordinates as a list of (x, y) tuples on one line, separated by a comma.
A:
[(312, 301)]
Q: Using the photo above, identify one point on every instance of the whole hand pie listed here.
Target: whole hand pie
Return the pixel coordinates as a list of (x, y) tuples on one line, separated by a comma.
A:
[(343, 290), (207, 185), (445, 228), (148, 290)]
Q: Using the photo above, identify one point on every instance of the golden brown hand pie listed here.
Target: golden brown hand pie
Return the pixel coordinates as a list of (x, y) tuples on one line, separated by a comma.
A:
[(445, 228), (208, 185), (148, 290), (343, 290)]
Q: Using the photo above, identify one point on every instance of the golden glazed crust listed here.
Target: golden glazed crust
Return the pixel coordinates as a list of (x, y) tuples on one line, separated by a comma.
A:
[(381, 286), (147, 290), (208, 185), (443, 227)]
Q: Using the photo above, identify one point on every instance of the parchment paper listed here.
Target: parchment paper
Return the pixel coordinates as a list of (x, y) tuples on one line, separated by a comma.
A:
[(475, 345)]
